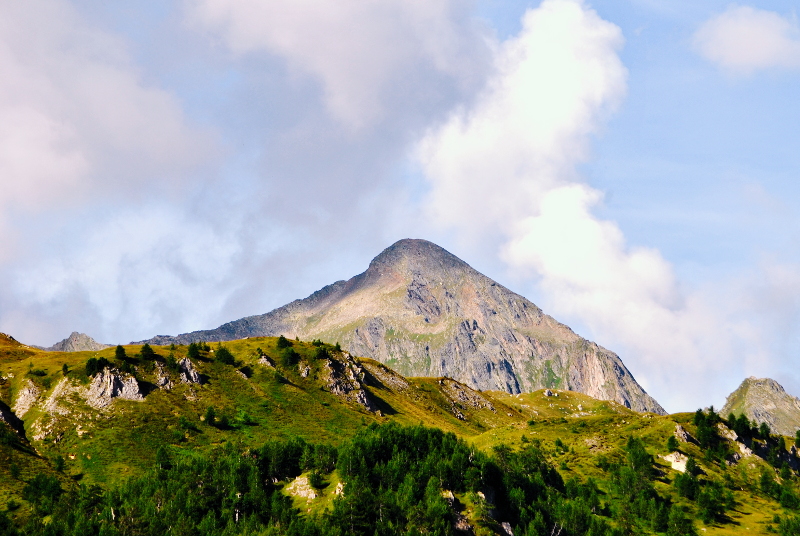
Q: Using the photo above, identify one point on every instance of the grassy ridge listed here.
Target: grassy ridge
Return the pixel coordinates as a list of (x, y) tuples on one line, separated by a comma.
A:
[(580, 436)]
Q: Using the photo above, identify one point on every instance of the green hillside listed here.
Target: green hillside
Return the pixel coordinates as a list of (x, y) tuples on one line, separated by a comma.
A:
[(297, 420)]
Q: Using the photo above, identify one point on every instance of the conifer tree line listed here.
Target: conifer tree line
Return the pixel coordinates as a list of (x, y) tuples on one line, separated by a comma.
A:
[(397, 481)]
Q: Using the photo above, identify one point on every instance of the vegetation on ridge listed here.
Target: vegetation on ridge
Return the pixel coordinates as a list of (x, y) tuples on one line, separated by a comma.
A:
[(428, 457)]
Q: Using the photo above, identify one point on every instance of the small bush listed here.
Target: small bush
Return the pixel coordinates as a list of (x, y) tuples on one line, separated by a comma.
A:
[(283, 342), (37, 372)]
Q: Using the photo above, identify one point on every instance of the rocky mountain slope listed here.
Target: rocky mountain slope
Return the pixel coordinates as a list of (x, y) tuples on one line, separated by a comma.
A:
[(765, 400), (425, 312), (76, 342)]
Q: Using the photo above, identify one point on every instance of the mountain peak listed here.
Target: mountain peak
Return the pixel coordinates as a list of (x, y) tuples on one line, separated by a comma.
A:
[(415, 255), (765, 400), (77, 342)]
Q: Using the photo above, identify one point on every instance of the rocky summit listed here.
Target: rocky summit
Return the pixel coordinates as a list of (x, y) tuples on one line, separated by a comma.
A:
[(425, 312), (765, 400), (76, 342)]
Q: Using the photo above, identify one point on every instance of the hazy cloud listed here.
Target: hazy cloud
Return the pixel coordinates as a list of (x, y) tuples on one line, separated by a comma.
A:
[(371, 58), (744, 39)]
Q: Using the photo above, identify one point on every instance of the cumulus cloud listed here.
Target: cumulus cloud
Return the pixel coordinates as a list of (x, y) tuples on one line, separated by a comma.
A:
[(370, 58), (505, 170), (554, 85), (744, 39)]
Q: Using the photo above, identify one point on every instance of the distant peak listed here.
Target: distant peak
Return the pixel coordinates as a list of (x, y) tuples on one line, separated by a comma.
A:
[(77, 342), (418, 254)]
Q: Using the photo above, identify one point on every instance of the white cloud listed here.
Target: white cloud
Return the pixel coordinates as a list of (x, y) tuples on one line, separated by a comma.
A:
[(504, 171), (744, 39), (370, 57), (555, 84)]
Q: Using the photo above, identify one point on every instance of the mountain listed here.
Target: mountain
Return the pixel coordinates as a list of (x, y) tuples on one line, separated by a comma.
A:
[(77, 342), (425, 312), (765, 400)]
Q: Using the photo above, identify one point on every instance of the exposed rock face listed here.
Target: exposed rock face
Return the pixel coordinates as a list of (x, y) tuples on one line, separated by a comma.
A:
[(26, 398), (110, 384), (765, 400), (677, 460), (189, 373), (163, 381), (77, 342), (300, 487), (345, 378), (424, 312)]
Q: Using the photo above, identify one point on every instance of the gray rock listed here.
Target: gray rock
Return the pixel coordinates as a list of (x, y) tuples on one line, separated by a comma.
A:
[(188, 371), (110, 384), (26, 398), (424, 312), (77, 342)]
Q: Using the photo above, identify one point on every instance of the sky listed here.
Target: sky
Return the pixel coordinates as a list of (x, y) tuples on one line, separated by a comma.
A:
[(630, 166)]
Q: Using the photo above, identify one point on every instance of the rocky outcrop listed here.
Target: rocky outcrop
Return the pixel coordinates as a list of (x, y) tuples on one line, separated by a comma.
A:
[(77, 342), (462, 397), (344, 378), (26, 398), (110, 384), (188, 371), (677, 460), (300, 487), (765, 400), (163, 380), (682, 435), (424, 312)]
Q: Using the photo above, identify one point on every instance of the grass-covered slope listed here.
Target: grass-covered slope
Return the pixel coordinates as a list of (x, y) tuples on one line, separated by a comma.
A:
[(290, 413)]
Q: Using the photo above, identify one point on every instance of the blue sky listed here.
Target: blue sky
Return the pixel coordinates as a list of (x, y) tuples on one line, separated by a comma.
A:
[(629, 166)]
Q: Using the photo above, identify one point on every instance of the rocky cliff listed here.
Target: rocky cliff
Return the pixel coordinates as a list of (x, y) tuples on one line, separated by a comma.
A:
[(76, 342), (765, 400), (425, 312)]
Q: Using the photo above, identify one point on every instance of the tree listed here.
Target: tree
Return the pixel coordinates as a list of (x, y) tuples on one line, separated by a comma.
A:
[(672, 443), (797, 439), (64, 369), (119, 353), (224, 356), (289, 357), (59, 463), (211, 415), (678, 524), (283, 342), (147, 352), (163, 460), (193, 352), (764, 431)]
